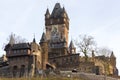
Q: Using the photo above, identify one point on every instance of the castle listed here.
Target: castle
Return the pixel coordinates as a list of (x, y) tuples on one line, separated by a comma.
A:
[(53, 52)]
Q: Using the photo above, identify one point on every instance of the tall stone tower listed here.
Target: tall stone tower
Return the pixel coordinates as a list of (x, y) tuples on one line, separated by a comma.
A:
[(57, 23), (44, 46)]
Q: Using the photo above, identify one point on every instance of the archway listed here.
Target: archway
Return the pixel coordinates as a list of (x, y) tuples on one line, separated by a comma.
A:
[(15, 70), (22, 70)]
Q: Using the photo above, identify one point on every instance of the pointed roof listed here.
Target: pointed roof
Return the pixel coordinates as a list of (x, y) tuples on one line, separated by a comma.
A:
[(12, 40), (43, 38), (57, 5), (34, 40), (64, 9), (64, 12), (71, 45), (57, 11), (112, 55), (47, 12)]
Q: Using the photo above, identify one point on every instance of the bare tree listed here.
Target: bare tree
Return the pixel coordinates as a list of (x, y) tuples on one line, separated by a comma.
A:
[(19, 39), (85, 44), (15, 39), (104, 51)]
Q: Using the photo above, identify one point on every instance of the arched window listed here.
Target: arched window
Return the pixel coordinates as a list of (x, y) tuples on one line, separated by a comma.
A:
[(15, 70), (22, 70)]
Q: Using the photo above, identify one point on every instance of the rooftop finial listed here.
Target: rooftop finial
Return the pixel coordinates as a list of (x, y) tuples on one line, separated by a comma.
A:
[(34, 38), (34, 35)]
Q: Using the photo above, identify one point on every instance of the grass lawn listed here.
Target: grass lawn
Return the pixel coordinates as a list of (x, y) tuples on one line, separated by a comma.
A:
[(38, 78)]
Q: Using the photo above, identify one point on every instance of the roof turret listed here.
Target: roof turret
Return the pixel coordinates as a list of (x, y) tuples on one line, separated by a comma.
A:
[(58, 11), (64, 10), (71, 45), (47, 14), (34, 40), (64, 13), (43, 38), (57, 6), (12, 40), (112, 55)]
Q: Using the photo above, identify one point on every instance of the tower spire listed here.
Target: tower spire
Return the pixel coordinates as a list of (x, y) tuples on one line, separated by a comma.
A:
[(71, 45), (47, 14), (34, 39), (58, 19), (12, 40), (112, 55), (72, 48), (43, 38)]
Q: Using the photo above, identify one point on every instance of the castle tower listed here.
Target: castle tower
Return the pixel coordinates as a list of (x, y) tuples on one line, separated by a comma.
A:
[(36, 53), (57, 23), (72, 48), (44, 46), (12, 40), (113, 59), (113, 63), (34, 46)]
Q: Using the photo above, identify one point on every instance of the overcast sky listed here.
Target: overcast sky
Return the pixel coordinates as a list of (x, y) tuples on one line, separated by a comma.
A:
[(98, 18)]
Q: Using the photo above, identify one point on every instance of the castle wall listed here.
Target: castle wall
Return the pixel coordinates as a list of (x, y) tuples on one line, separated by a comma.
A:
[(88, 67), (67, 62)]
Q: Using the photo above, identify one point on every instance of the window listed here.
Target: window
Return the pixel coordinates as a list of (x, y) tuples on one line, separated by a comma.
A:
[(24, 50), (17, 51), (14, 51), (21, 51)]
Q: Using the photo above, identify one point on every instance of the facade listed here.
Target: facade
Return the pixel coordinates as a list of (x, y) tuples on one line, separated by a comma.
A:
[(57, 31), (64, 57), (23, 58), (99, 65), (53, 51)]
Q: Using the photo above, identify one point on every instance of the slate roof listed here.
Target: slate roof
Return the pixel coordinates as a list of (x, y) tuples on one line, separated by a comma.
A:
[(21, 46), (43, 38), (71, 45), (47, 12), (12, 40), (58, 11), (34, 40), (112, 55)]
